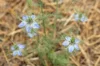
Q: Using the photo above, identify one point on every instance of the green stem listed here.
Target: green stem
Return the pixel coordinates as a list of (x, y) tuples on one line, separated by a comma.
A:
[(43, 20), (55, 24)]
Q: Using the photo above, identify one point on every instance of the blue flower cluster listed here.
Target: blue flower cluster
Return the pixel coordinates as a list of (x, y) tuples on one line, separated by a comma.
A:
[(80, 17), (17, 49), (30, 25), (71, 43)]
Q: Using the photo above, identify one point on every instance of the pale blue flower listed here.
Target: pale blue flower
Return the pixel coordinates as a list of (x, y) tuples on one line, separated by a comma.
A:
[(71, 43), (29, 23), (80, 17), (17, 49)]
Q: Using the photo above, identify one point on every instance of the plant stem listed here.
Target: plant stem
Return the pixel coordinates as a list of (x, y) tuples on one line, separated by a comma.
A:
[(43, 20), (55, 24)]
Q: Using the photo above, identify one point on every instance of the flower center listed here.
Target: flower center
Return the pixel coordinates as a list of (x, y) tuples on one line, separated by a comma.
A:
[(16, 47), (72, 40), (29, 20), (80, 15)]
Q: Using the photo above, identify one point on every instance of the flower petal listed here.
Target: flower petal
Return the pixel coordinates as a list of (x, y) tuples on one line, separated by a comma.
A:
[(84, 18), (31, 34), (35, 25), (76, 17), (28, 28), (25, 17), (71, 48), (65, 43), (76, 46), (12, 48), (22, 24), (33, 16), (21, 46), (68, 38), (77, 41), (17, 52)]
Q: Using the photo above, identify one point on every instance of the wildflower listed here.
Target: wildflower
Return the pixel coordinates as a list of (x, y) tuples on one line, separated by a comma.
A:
[(29, 23), (71, 43), (80, 17), (17, 49)]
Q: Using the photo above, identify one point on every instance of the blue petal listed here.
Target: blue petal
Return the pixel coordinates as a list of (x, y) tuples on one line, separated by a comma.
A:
[(21, 46), (83, 18), (77, 41), (35, 25), (33, 16), (31, 34), (68, 38), (76, 17), (71, 48), (28, 28), (12, 48), (25, 18), (17, 52), (76, 46), (65, 43), (22, 24), (14, 53)]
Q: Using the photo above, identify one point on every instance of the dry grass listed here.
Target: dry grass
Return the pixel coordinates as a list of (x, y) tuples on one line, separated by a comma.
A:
[(89, 54)]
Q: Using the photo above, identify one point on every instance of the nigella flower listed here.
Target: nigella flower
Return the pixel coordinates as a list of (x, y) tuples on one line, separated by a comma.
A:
[(29, 23), (80, 17), (17, 49), (71, 43)]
